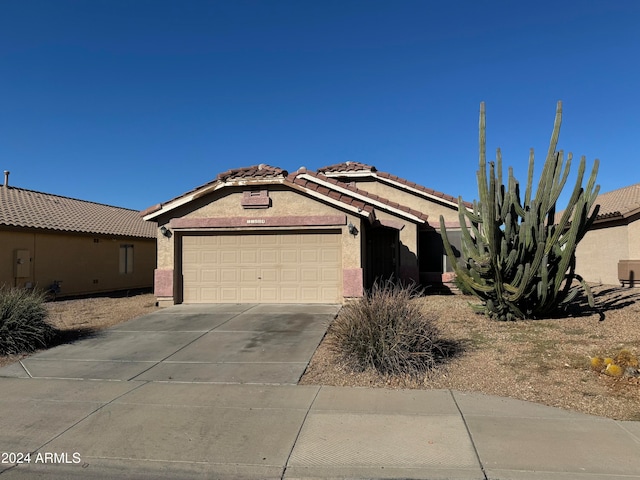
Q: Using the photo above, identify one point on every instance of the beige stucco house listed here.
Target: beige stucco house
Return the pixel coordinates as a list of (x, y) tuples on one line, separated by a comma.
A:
[(260, 234), (87, 247), (610, 250)]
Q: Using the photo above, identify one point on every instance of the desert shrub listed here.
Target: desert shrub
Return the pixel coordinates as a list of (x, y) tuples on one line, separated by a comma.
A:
[(387, 331), (23, 321)]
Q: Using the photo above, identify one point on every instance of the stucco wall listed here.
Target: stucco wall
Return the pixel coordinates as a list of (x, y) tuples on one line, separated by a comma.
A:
[(598, 253), (84, 263), (284, 203), (420, 203), (634, 239)]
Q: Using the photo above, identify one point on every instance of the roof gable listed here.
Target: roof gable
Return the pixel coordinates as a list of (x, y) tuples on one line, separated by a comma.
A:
[(255, 174), (32, 209), (355, 169), (314, 184), (362, 196)]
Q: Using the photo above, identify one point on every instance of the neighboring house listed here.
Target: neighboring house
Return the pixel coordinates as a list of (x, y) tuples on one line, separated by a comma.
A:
[(86, 246), (613, 238), (260, 234)]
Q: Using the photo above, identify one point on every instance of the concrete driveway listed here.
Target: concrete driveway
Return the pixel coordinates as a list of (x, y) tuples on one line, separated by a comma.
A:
[(227, 343), (76, 422)]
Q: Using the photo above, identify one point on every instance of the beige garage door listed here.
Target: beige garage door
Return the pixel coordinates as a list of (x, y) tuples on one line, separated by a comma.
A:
[(266, 268)]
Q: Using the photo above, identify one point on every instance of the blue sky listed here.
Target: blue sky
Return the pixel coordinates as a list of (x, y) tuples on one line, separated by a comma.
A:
[(131, 103)]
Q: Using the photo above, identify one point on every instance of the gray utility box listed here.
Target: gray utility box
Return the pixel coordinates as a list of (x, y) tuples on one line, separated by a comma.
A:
[(628, 271)]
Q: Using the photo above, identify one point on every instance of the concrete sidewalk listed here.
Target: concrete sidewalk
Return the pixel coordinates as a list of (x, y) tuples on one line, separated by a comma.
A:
[(144, 430)]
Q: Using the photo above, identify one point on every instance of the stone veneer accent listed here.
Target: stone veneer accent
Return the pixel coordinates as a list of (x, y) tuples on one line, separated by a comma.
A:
[(163, 282), (352, 283)]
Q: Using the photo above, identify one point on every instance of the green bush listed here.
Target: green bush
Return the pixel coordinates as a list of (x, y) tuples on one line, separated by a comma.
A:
[(23, 321), (387, 331)]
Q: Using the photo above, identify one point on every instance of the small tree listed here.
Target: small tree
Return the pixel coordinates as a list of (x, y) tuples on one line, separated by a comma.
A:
[(515, 257)]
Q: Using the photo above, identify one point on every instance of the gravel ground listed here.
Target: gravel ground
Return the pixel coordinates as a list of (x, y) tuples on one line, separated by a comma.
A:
[(543, 361)]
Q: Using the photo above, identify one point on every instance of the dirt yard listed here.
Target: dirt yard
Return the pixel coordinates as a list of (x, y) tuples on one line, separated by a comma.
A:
[(543, 361)]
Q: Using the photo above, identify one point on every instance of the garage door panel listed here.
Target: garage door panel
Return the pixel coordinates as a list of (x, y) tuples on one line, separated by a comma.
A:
[(268, 256), (329, 255), (309, 256), (248, 294), (268, 275), (309, 294), (329, 275), (209, 293), (289, 295), (191, 276), (226, 295), (208, 256), (268, 295), (272, 268), (248, 256), (289, 275), (229, 256), (224, 240), (209, 275), (289, 256), (249, 275), (229, 275), (309, 275)]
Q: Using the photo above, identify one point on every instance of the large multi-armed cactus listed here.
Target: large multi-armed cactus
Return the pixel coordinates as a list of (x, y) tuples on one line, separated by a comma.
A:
[(517, 257)]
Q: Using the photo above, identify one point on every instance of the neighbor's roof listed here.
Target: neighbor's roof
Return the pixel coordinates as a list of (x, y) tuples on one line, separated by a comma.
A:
[(20, 207), (348, 169), (622, 202)]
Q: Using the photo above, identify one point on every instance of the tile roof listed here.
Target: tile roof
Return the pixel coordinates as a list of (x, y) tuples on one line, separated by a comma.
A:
[(266, 172), (20, 207), (349, 167), (356, 190), (620, 202), (255, 171), (333, 194), (261, 172)]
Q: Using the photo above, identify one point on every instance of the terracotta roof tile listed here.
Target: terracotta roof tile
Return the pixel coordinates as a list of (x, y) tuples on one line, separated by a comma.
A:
[(254, 171), (348, 167), (619, 202), (30, 209)]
